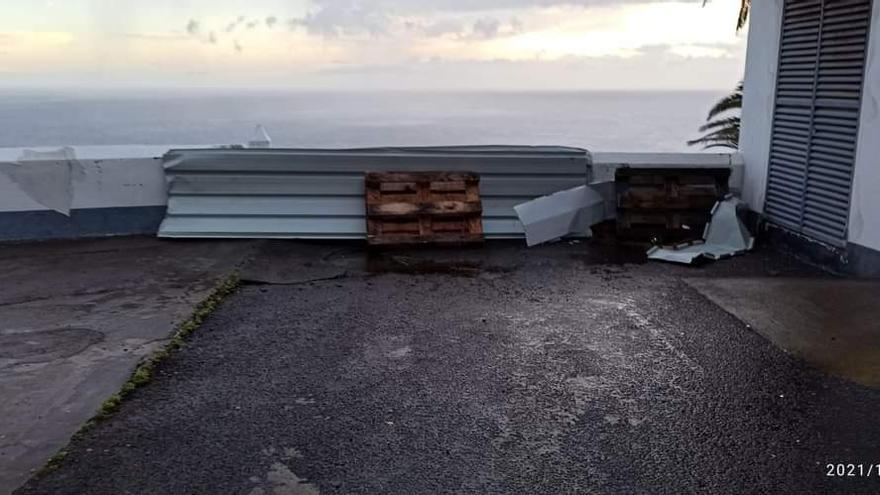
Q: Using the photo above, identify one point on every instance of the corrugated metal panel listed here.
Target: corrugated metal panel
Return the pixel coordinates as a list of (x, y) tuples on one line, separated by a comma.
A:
[(302, 193), (812, 153)]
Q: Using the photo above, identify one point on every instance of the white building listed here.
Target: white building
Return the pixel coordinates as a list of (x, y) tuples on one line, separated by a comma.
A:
[(811, 127)]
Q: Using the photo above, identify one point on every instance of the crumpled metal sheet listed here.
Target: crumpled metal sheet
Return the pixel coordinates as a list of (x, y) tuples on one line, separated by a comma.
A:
[(47, 177), (725, 235), (566, 213), (319, 194)]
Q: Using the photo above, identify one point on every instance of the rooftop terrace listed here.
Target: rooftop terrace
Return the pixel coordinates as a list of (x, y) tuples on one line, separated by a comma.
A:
[(569, 367)]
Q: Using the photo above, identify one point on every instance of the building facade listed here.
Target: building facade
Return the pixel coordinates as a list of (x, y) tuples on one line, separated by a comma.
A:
[(811, 127)]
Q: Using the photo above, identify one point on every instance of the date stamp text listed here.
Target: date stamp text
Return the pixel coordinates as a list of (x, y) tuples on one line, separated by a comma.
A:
[(843, 470)]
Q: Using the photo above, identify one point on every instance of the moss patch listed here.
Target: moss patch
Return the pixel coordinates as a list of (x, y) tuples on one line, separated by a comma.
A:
[(53, 463), (144, 373)]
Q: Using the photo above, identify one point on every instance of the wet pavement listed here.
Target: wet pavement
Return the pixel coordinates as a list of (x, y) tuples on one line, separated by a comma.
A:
[(561, 369), (75, 320), (834, 325)]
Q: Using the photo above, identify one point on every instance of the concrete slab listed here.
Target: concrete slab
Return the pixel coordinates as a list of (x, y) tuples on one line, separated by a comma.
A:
[(75, 319), (834, 324)]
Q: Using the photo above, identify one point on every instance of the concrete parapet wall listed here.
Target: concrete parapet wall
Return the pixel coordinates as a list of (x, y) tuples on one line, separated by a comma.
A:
[(91, 191)]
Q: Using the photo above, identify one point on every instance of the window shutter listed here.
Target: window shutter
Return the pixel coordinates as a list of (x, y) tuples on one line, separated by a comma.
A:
[(815, 123)]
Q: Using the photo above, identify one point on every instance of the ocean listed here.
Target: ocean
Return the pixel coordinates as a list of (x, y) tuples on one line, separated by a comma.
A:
[(596, 120)]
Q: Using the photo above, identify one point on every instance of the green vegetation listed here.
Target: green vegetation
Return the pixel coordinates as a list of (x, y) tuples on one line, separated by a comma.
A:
[(744, 7), (145, 372), (53, 462), (722, 128), (723, 131)]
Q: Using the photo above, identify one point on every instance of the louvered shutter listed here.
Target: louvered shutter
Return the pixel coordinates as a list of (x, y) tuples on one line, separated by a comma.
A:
[(815, 121)]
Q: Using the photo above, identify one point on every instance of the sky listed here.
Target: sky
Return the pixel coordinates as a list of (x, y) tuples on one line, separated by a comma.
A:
[(372, 44)]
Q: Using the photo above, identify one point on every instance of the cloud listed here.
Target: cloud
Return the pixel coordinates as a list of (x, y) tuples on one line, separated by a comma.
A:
[(486, 27), (232, 26), (352, 18), (516, 25), (481, 28), (433, 18), (194, 29), (334, 18), (150, 36), (435, 28), (657, 67), (372, 36), (342, 13)]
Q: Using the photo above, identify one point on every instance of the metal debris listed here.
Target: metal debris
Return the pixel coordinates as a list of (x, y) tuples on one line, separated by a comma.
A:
[(319, 194), (569, 212), (725, 235)]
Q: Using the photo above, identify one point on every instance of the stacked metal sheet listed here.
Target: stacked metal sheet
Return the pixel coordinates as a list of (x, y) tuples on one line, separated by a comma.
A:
[(319, 194)]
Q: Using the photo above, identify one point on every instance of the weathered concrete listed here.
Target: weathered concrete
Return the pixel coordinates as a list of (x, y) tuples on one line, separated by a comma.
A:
[(833, 324), (498, 370), (75, 319)]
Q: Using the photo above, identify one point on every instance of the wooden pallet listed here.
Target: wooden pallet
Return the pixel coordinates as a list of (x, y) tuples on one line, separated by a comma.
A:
[(423, 208), (663, 226), (667, 205)]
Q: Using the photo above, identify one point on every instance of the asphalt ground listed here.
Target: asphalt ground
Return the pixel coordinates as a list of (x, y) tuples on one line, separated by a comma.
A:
[(563, 369), (76, 317)]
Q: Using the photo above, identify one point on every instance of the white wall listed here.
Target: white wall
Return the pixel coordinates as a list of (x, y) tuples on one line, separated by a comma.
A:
[(605, 164), (762, 57), (62, 179), (864, 220)]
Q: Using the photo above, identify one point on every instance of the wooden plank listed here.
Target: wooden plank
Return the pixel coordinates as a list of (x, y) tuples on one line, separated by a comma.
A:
[(398, 187), (423, 208), (459, 186), (424, 196), (668, 205), (438, 208)]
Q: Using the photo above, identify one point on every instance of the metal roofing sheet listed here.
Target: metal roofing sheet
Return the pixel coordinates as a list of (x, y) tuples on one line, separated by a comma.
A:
[(318, 193)]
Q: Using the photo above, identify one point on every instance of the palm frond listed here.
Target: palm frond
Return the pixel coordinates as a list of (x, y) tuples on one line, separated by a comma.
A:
[(716, 142), (725, 137), (725, 131), (733, 101), (744, 7), (729, 122), (722, 132)]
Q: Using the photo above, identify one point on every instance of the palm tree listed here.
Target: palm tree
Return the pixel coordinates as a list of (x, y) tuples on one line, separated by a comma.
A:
[(744, 7), (723, 132)]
